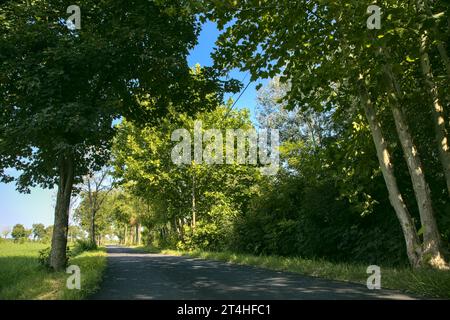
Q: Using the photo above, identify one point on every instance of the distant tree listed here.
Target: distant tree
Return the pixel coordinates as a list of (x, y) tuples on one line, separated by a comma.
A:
[(75, 233), (48, 234), (38, 231), (5, 231), (95, 211), (18, 232), (95, 189), (28, 233)]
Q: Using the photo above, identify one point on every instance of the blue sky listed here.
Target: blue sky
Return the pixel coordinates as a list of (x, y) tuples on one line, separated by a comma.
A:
[(38, 206)]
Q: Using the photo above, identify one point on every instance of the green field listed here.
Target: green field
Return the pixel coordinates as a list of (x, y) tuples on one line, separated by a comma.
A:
[(22, 277)]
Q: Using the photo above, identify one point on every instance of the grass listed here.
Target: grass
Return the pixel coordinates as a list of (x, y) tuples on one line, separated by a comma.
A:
[(21, 276), (426, 283)]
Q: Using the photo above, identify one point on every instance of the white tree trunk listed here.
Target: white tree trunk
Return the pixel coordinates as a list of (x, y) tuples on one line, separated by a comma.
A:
[(431, 246), (424, 7), (438, 113), (413, 247)]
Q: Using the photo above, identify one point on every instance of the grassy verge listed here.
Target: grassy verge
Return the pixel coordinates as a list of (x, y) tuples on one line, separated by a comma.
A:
[(427, 283), (21, 276)]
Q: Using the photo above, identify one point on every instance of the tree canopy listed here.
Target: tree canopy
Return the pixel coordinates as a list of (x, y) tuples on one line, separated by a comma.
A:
[(61, 89)]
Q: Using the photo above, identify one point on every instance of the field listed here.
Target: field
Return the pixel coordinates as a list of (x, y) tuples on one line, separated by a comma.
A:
[(22, 277)]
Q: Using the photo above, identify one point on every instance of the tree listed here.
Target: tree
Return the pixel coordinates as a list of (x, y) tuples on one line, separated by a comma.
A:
[(48, 234), (94, 213), (6, 231), (19, 232), (38, 230), (75, 233), (438, 112), (192, 204), (331, 60), (61, 89), (95, 189)]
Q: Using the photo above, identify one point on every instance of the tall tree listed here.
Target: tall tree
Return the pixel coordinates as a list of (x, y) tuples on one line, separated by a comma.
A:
[(95, 189), (61, 89), (432, 85), (326, 54)]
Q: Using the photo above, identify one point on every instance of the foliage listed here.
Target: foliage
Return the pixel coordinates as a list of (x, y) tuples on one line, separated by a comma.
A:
[(82, 246), (325, 55), (215, 230), (19, 232), (48, 234), (173, 195), (102, 219), (5, 231), (62, 89), (44, 257), (75, 233), (101, 64), (38, 231)]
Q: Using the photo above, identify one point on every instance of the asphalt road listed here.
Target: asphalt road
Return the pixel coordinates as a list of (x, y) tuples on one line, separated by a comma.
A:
[(131, 274)]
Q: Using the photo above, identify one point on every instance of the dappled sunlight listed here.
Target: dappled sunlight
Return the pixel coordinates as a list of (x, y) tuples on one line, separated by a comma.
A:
[(178, 277), (224, 150)]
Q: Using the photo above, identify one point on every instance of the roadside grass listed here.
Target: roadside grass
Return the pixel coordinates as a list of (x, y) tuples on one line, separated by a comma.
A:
[(22, 277), (427, 282), (148, 249)]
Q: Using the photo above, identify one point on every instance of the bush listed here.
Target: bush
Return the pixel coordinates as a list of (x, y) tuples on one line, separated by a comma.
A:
[(44, 257), (215, 231), (313, 221), (84, 245)]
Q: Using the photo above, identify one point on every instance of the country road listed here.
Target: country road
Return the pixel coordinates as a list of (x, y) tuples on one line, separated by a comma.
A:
[(131, 274)]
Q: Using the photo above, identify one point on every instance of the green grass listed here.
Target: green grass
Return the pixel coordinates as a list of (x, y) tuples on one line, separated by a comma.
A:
[(148, 249), (427, 282), (21, 276)]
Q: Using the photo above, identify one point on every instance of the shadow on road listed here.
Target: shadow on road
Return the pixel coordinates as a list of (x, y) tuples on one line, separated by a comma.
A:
[(132, 274)]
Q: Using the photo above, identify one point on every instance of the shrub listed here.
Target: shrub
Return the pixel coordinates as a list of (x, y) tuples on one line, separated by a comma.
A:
[(84, 245), (44, 257)]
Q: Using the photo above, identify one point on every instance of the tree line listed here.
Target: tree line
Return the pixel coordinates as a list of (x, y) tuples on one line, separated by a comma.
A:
[(39, 232)]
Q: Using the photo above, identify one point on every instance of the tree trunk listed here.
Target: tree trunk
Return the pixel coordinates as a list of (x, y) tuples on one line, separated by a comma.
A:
[(137, 233), (431, 245), (61, 224), (413, 248), (92, 228), (423, 6), (175, 228), (181, 226), (193, 203), (437, 110), (130, 235)]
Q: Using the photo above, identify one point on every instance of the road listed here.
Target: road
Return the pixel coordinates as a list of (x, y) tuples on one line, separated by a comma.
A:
[(131, 274)]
